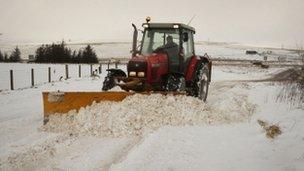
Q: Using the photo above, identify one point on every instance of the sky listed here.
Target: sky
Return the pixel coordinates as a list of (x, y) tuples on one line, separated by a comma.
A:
[(258, 22)]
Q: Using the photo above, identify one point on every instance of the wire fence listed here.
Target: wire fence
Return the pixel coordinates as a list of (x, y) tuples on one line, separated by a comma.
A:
[(14, 76)]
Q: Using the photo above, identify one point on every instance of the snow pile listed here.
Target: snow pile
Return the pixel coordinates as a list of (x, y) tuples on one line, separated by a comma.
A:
[(34, 154), (139, 114)]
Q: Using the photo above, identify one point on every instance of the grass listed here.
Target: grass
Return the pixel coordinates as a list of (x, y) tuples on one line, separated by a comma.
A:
[(293, 87)]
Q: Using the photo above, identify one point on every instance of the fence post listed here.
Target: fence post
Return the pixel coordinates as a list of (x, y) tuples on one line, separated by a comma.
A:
[(116, 62), (32, 77), (79, 71), (66, 71), (91, 69), (12, 79), (49, 73), (100, 68)]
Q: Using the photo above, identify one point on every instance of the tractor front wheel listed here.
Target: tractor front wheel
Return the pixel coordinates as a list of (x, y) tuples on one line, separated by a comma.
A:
[(175, 83), (109, 81)]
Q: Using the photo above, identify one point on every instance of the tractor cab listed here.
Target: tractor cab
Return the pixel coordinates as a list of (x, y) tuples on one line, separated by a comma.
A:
[(174, 40)]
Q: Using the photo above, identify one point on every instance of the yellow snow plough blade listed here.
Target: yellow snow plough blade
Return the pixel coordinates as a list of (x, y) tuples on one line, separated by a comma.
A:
[(63, 102)]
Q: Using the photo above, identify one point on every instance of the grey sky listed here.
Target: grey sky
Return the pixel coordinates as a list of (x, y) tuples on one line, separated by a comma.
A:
[(269, 22)]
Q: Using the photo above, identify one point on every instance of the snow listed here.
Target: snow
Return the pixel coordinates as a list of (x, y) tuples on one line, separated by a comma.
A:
[(241, 146), (237, 51), (139, 114), (167, 132), (242, 73)]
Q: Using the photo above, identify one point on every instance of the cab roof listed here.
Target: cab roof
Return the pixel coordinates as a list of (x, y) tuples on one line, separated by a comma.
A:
[(167, 25)]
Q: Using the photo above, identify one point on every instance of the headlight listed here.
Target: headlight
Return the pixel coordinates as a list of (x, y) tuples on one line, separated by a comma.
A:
[(132, 73), (141, 74)]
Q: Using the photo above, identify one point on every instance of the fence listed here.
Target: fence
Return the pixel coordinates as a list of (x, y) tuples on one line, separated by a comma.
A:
[(18, 76)]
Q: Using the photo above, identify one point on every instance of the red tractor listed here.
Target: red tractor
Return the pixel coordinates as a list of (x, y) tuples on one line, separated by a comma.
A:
[(165, 61)]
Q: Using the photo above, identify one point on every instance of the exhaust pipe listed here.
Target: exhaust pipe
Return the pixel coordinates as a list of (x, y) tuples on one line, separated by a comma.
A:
[(134, 46)]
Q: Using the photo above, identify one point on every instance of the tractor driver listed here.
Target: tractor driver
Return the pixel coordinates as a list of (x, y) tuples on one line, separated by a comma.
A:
[(169, 45), (171, 48)]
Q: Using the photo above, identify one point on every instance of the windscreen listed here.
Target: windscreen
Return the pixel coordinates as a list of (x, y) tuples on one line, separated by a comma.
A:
[(157, 38)]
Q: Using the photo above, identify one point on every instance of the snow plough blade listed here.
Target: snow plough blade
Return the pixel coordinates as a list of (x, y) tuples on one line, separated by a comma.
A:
[(63, 102)]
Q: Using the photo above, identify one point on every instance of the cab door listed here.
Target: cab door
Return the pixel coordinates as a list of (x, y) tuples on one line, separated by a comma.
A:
[(187, 50)]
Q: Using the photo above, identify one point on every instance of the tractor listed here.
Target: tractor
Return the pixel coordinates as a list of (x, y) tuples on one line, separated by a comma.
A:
[(165, 61)]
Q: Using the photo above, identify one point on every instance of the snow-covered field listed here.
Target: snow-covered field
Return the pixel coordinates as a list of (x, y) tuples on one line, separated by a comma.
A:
[(153, 132), (22, 73), (122, 50)]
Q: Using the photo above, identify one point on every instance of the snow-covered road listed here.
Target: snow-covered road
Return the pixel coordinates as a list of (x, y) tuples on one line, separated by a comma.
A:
[(232, 142)]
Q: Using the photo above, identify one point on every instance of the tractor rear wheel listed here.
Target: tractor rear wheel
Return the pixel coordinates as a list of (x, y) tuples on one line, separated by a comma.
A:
[(175, 83), (202, 83)]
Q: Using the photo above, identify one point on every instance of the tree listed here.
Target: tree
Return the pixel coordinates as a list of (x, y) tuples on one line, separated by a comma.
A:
[(1, 57), (74, 57), (6, 59), (40, 54), (79, 56), (59, 53), (54, 53), (89, 55), (16, 55)]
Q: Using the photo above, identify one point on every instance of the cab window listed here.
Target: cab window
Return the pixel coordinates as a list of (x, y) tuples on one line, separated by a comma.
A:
[(188, 48), (155, 38)]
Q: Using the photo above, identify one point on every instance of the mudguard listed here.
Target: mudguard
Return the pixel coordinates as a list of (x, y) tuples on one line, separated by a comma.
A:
[(116, 72), (206, 60), (195, 64)]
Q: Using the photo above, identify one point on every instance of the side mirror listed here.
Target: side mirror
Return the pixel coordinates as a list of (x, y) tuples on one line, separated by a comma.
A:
[(185, 37)]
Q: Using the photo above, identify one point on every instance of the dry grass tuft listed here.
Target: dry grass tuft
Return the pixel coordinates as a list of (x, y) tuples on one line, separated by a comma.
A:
[(271, 130), (262, 123), (293, 86)]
